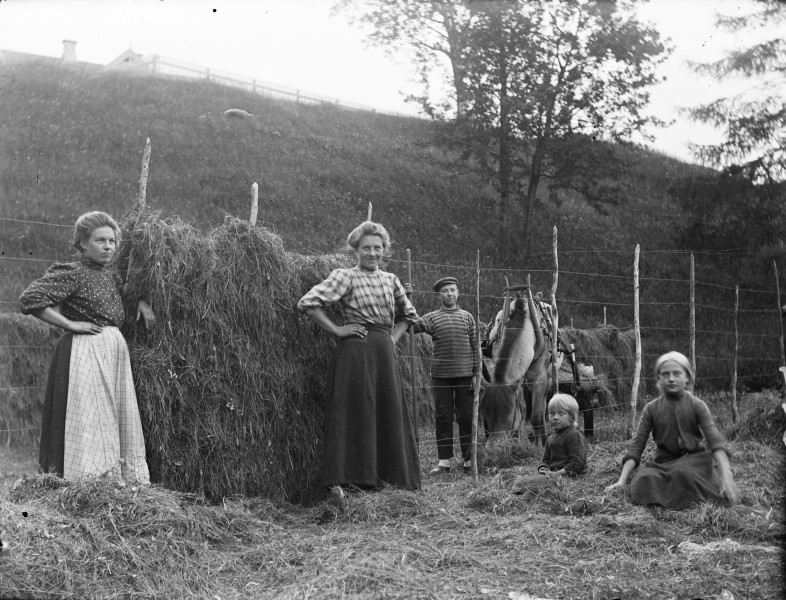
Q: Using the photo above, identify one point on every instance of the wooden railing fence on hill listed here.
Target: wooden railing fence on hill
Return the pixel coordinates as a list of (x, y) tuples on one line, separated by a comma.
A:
[(171, 67)]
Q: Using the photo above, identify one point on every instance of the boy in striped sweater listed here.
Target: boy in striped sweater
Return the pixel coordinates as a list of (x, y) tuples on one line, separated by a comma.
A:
[(454, 371)]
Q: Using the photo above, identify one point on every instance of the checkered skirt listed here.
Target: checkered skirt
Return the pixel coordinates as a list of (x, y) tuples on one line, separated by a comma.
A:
[(103, 431)]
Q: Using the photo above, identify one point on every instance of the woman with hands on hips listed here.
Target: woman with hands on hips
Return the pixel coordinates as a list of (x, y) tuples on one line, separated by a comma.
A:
[(369, 434), (90, 423)]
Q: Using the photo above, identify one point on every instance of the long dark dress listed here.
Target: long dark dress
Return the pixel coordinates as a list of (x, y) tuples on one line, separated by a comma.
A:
[(90, 422), (682, 472), (369, 432)]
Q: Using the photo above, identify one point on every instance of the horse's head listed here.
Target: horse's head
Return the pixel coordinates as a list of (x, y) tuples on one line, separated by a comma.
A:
[(500, 411)]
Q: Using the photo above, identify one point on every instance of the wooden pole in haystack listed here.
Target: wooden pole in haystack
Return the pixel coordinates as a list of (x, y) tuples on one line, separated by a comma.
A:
[(637, 373), (476, 398), (368, 215), (554, 318), (734, 413), (604, 316), (780, 310), (692, 320), (414, 407), (142, 197), (252, 219)]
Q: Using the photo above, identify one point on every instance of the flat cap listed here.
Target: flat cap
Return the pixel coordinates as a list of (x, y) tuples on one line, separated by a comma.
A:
[(444, 281)]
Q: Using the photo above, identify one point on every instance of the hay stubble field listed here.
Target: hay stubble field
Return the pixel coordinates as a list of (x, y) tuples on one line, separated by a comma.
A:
[(456, 538)]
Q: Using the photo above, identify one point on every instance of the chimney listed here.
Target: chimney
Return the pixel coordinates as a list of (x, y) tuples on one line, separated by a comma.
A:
[(69, 51)]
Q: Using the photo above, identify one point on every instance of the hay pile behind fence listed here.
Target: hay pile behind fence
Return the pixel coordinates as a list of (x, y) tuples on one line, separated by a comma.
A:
[(611, 352), (25, 353), (762, 419), (231, 380)]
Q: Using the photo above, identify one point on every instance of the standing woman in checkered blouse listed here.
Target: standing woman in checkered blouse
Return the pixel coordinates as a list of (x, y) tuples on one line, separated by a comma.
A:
[(90, 424), (369, 434)]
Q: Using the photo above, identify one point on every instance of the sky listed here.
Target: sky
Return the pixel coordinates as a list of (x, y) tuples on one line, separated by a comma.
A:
[(299, 44)]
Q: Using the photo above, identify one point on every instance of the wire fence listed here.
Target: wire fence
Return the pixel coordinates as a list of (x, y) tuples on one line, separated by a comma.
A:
[(758, 358)]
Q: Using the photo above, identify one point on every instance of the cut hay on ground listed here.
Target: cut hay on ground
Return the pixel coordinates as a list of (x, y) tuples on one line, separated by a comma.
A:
[(612, 354), (455, 539), (231, 380), (26, 345)]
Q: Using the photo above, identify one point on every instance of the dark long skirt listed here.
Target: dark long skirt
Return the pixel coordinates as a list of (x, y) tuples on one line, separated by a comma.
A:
[(369, 435), (679, 483), (50, 454)]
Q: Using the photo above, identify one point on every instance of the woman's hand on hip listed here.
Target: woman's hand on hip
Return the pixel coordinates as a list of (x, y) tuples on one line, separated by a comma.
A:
[(84, 327), (351, 330)]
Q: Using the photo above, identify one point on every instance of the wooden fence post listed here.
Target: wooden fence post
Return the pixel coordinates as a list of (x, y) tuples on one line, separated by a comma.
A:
[(476, 398), (254, 203), (637, 373), (734, 413), (554, 318), (604, 316), (142, 197), (505, 310), (412, 366), (780, 309), (368, 214), (692, 320)]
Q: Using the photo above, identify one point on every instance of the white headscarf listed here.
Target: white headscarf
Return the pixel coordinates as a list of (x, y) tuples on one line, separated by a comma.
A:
[(677, 357)]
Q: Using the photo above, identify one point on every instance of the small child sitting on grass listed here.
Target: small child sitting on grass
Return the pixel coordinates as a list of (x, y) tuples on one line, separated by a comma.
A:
[(566, 447)]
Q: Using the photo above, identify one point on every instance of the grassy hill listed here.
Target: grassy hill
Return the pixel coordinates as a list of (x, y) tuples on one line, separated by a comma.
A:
[(72, 141)]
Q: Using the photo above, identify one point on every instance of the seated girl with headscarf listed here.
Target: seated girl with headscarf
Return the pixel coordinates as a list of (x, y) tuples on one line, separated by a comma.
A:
[(682, 472)]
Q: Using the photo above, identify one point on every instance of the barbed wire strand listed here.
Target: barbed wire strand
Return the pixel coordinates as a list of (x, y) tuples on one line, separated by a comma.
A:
[(35, 222)]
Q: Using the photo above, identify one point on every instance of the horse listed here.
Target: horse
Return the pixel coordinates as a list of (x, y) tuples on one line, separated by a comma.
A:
[(500, 404), (526, 347)]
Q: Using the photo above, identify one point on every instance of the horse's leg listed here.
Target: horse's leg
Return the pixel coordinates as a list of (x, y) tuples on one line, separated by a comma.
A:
[(589, 417), (584, 399), (540, 390), (521, 407)]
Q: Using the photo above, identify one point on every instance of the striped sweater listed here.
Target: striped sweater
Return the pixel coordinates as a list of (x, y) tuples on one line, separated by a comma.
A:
[(455, 342)]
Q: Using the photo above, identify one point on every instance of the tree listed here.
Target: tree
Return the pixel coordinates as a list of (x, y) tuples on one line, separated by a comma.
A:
[(754, 123), (525, 74), (435, 30), (547, 71)]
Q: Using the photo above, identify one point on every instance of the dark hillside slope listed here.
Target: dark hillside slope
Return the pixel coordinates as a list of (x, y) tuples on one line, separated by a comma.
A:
[(72, 141)]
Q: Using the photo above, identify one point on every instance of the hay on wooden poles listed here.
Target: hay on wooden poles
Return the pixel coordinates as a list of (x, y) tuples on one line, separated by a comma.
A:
[(612, 354), (231, 380), (26, 345)]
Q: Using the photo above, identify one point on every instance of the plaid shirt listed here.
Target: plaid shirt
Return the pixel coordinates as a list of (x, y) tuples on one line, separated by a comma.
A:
[(364, 297)]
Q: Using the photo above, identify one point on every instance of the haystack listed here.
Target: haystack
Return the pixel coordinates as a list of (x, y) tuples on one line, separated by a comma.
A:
[(612, 354), (231, 380), (25, 353), (762, 418)]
